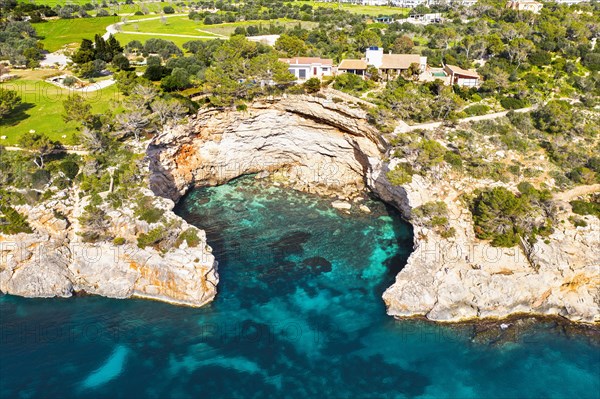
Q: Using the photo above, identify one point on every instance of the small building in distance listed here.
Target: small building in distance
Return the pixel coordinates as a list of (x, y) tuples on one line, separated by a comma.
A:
[(433, 18), (462, 77), (385, 20), (357, 67), (525, 5), (309, 67)]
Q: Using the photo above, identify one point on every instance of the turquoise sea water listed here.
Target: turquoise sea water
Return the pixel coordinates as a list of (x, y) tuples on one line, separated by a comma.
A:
[(299, 314)]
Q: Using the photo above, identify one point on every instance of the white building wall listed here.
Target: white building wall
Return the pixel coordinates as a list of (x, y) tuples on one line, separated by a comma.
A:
[(304, 72), (467, 82), (374, 56)]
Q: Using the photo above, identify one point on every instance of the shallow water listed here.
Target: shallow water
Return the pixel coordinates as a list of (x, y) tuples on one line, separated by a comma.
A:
[(299, 314)]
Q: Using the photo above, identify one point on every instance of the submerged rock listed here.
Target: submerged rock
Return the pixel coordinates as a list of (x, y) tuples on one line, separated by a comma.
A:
[(317, 264), (343, 205)]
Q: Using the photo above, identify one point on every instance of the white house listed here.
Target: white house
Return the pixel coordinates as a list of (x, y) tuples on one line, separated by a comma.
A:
[(357, 67), (309, 67), (525, 5), (462, 77), (375, 2), (392, 64)]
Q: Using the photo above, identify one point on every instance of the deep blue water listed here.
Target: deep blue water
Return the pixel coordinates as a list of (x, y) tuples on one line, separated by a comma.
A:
[(299, 314)]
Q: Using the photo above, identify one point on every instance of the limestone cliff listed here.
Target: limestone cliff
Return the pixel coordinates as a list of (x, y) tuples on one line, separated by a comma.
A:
[(54, 260), (316, 145), (462, 277), (320, 146)]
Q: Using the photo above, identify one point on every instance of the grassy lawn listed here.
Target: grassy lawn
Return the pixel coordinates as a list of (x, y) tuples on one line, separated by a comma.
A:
[(373, 11), (60, 32), (153, 8), (174, 25), (52, 3), (42, 108), (185, 26)]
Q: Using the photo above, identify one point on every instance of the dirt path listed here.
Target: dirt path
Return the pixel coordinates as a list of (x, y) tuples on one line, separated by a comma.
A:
[(577, 192), (403, 127)]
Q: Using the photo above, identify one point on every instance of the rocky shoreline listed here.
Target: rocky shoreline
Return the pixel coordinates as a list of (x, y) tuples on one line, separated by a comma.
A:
[(319, 146), (54, 261), (453, 279)]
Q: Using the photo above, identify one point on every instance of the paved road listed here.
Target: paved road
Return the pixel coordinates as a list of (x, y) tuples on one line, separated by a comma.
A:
[(51, 59), (89, 88)]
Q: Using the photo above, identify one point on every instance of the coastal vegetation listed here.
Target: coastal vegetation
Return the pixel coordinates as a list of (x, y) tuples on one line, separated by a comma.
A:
[(503, 217), (526, 60)]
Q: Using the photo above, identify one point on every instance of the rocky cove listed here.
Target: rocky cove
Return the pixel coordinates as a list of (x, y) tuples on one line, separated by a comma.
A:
[(320, 146)]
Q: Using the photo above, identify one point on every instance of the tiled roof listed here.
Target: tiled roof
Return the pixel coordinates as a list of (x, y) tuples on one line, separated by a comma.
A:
[(352, 64), (307, 61), (399, 61), (463, 72)]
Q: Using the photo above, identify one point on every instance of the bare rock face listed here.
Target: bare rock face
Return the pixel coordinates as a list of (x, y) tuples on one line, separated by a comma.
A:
[(463, 278), (54, 261), (313, 145)]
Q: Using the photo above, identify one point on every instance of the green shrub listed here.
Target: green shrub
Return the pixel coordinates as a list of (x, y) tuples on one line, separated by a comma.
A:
[(12, 222), (40, 178), (577, 222), (515, 170), (586, 208), (447, 233), (190, 236), (554, 117), (69, 168), (152, 238), (312, 85), (431, 153), (69, 81), (146, 211), (296, 89), (513, 103), (502, 216), (431, 209), (119, 241), (401, 174), (477, 109), (453, 159), (582, 175), (434, 215), (352, 83), (539, 58)]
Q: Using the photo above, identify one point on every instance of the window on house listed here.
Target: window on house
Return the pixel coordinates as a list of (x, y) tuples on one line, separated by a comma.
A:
[(302, 73)]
